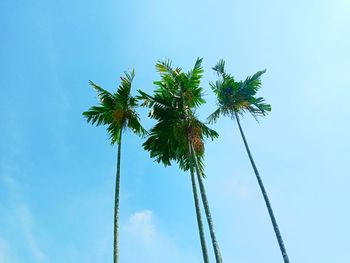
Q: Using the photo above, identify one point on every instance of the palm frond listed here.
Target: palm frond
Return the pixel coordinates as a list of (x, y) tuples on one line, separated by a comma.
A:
[(103, 95), (214, 116), (219, 68), (185, 164), (122, 95), (206, 132), (135, 125), (98, 115), (252, 83), (196, 73), (165, 67), (113, 130)]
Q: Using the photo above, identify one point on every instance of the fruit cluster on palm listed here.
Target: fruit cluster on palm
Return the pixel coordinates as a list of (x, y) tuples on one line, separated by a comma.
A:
[(178, 135)]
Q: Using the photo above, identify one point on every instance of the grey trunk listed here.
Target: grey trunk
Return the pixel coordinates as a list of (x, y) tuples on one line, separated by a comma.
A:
[(207, 210), (266, 198), (198, 211), (116, 204)]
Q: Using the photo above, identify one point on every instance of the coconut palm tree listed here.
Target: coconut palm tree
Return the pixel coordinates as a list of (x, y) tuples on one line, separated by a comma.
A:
[(117, 111), (234, 99), (179, 135)]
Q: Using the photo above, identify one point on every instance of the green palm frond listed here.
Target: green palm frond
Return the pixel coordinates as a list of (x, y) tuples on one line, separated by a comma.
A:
[(98, 115), (196, 73), (194, 94), (214, 116), (150, 101), (135, 125), (164, 66), (160, 142), (122, 95), (184, 164), (104, 96), (252, 83), (113, 131), (220, 67), (206, 132)]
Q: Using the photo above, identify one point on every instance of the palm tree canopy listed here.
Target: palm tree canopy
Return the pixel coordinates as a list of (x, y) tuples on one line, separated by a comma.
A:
[(237, 96), (173, 105), (116, 110)]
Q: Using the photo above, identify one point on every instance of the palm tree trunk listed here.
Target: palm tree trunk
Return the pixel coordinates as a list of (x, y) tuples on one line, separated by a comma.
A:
[(116, 203), (198, 211), (207, 210), (266, 198)]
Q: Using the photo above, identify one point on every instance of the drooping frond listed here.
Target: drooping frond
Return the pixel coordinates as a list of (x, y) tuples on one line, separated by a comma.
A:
[(214, 116), (184, 164), (206, 132), (161, 143), (135, 125), (113, 131)]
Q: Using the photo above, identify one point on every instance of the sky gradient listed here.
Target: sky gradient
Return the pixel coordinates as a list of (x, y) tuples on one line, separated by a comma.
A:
[(57, 172)]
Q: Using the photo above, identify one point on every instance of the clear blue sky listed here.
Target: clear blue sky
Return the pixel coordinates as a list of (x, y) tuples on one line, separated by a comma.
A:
[(57, 172)]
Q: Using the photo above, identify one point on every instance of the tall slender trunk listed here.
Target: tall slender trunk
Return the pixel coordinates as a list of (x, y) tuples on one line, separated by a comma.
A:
[(198, 211), (116, 204), (266, 198), (207, 209)]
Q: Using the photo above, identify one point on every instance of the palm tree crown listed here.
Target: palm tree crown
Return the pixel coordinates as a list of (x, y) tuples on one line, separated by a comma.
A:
[(237, 96), (173, 105), (116, 110)]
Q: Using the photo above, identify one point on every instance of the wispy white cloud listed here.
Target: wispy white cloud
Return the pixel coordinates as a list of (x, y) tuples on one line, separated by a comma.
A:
[(141, 225), (141, 233), (25, 218)]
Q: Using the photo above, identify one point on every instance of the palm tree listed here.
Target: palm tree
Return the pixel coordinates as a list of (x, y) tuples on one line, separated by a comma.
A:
[(117, 111), (234, 99), (178, 134)]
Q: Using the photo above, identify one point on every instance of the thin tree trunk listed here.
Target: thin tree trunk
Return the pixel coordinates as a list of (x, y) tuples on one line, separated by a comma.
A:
[(266, 198), (198, 211), (207, 209), (116, 204)]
